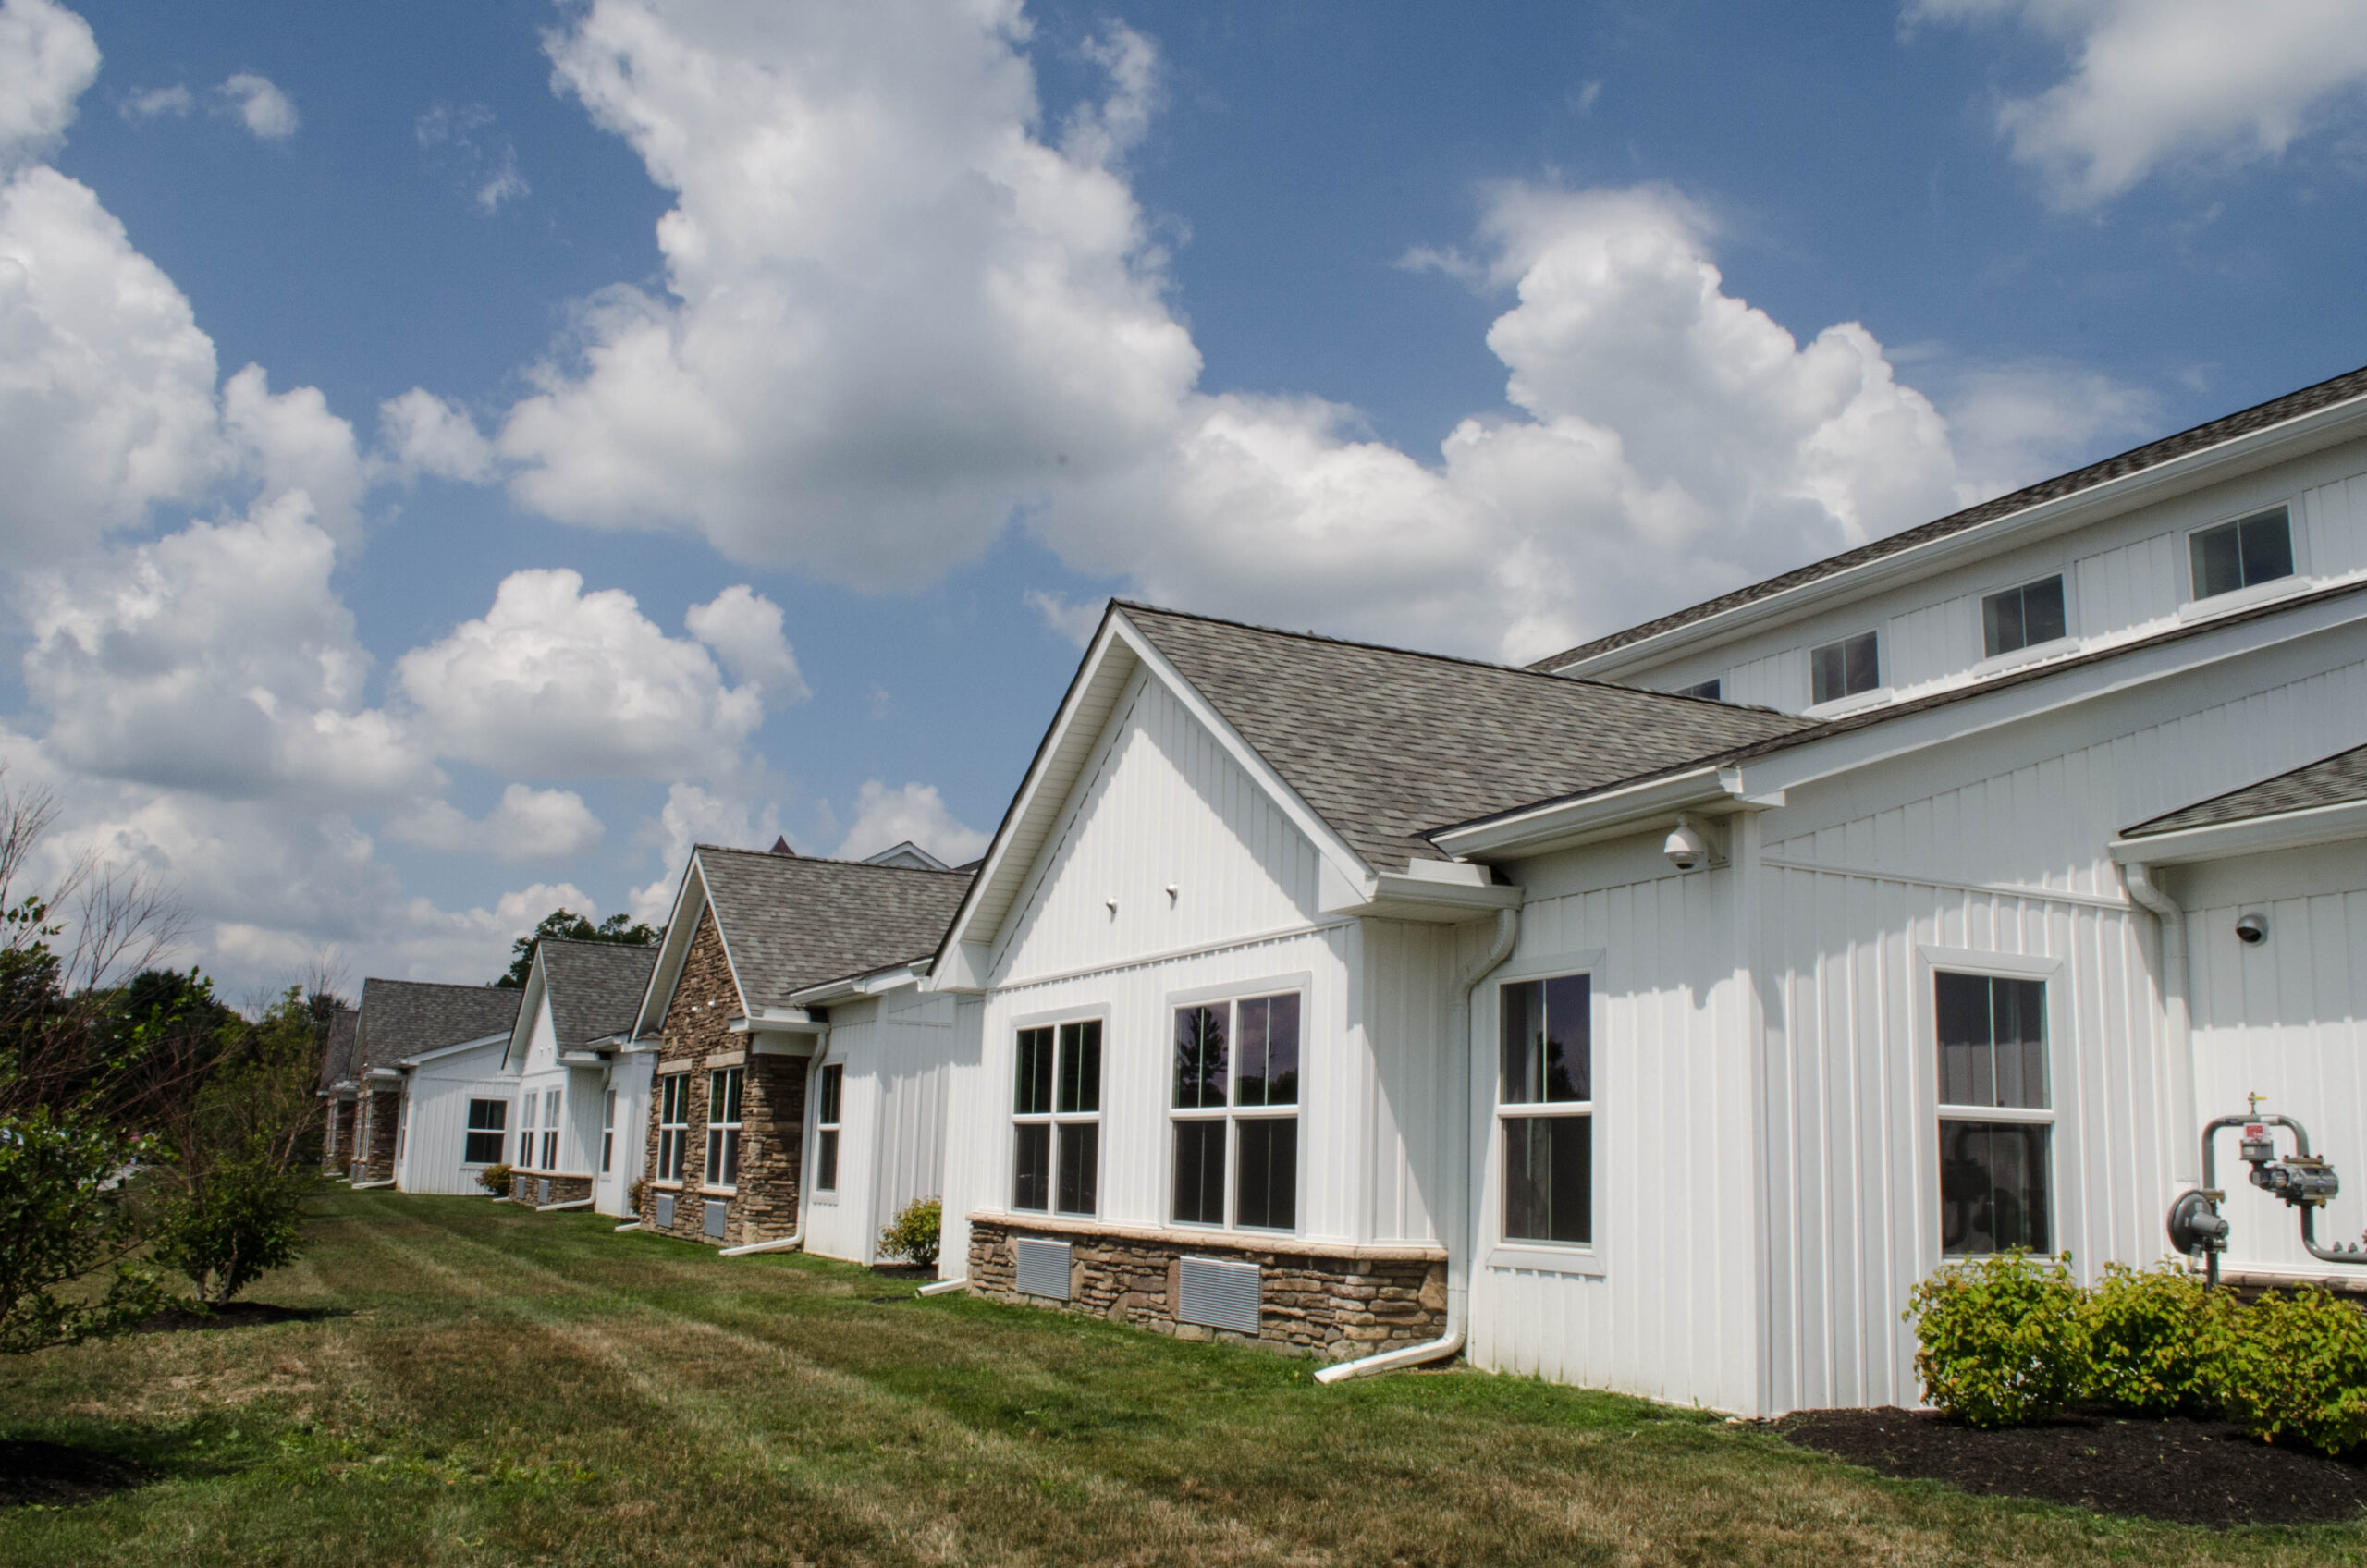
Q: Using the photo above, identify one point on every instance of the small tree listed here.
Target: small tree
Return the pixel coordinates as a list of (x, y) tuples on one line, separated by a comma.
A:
[(63, 1220)]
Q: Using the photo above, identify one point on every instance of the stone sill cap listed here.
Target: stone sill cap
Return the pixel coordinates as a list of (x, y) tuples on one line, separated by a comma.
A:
[(1229, 1241)]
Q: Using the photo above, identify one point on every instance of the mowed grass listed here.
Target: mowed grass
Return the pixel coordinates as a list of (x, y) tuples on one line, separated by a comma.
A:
[(499, 1386)]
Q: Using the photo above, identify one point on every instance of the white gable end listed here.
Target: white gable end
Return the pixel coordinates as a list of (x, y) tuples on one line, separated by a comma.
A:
[(1161, 803)]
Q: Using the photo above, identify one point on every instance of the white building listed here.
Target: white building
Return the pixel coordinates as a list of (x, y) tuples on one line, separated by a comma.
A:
[(1635, 1037), (426, 1067), (583, 1092)]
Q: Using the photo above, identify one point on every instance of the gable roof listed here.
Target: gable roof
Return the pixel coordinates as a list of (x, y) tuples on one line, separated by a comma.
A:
[(403, 1018), (337, 1051), (791, 922), (2293, 405), (1384, 744), (594, 987), (2330, 781)]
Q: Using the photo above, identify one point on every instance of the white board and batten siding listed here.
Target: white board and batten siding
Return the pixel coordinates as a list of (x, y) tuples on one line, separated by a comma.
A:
[(898, 1054), (435, 1138), (630, 1076)]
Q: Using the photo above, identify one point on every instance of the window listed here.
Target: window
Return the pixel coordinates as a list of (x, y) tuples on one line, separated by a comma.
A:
[(673, 1124), (550, 1131), (1056, 1113), (1709, 689), (608, 1133), (526, 1130), (2240, 554), (1236, 1092), (2022, 617), (488, 1121), (1994, 1120), (1546, 1109), (1844, 668), (723, 1126), (826, 1130)]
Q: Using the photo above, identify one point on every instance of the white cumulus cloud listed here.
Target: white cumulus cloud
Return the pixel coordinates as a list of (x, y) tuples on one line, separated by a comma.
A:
[(158, 102), (526, 825), (260, 105), (423, 434), (48, 60), (2154, 82), (745, 629), (885, 817)]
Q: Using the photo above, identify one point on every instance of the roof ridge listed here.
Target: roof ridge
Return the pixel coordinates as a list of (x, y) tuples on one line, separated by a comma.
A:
[(447, 984), (1528, 670), (595, 942), (830, 860), (2213, 432)]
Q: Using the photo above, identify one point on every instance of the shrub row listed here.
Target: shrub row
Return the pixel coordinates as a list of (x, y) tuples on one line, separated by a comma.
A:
[(2013, 1339)]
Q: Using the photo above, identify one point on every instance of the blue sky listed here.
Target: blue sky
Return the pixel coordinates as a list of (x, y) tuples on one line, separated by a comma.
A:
[(866, 348)]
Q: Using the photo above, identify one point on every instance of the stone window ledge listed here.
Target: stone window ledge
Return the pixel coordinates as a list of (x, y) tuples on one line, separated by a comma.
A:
[(1264, 1242), (719, 1191), (665, 1186)]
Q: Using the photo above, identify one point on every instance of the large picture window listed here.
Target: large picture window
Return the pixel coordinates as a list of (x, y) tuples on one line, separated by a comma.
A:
[(488, 1122), (673, 1124), (1995, 1121), (1237, 1113), (723, 1126), (1056, 1119), (1545, 1110), (826, 1127)]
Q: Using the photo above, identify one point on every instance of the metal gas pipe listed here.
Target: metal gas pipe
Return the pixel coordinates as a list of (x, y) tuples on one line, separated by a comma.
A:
[(2304, 1181)]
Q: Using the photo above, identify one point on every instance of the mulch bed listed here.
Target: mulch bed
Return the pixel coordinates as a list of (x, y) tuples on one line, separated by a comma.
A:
[(236, 1315), (2185, 1472), (54, 1475)]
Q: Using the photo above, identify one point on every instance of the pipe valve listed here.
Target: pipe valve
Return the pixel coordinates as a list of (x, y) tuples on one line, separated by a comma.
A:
[(2302, 1180)]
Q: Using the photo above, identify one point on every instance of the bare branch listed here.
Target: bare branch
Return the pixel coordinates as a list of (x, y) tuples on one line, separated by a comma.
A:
[(125, 921)]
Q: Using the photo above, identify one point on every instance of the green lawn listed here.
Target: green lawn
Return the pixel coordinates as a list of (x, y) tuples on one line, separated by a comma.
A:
[(500, 1386)]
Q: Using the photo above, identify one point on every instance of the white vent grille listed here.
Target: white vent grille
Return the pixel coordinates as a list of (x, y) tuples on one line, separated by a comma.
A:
[(1218, 1294), (543, 1190), (715, 1213), (1043, 1268), (665, 1211)]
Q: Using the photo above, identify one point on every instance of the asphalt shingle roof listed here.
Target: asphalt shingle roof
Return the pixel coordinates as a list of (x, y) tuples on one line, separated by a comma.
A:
[(402, 1017), (793, 921), (2329, 781), (337, 1051), (594, 988), (1383, 743), (2276, 411)]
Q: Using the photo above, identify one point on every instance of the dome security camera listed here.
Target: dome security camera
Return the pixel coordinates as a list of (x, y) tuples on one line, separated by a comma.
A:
[(2252, 930), (1688, 848)]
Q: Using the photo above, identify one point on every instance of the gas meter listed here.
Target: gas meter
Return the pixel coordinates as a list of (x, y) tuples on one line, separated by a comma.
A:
[(2302, 1180)]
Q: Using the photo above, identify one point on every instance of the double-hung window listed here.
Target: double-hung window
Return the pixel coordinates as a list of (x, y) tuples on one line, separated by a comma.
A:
[(2248, 551), (526, 1130), (1056, 1119), (723, 1126), (1545, 1110), (551, 1099), (1844, 668), (1994, 1117), (826, 1127), (673, 1124), (1236, 1111), (2023, 618), (488, 1121), (608, 1133)]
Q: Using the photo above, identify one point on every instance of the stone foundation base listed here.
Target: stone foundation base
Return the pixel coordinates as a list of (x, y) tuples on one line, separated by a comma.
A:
[(526, 1187), (1334, 1308)]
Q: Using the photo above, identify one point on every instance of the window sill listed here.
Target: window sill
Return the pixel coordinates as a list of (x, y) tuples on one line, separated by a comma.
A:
[(822, 1198), (1842, 708), (665, 1186), (2244, 598), (2037, 652), (1547, 1259), (719, 1191)]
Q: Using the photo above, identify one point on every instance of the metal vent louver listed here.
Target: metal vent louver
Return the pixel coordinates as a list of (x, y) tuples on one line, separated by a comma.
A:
[(665, 1211), (543, 1190), (1043, 1268), (1218, 1294), (715, 1215)]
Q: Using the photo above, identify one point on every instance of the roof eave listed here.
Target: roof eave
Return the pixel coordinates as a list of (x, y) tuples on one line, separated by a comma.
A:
[(1611, 813), (2247, 836)]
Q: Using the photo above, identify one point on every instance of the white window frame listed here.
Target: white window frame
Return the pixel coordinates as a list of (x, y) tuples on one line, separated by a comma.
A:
[(673, 1137), (723, 1136), (2297, 540), (501, 1133), (608, 1133), (529, 1123), (830, 1131), (402, 1127), (1300, 984), (1054, 1118), (2028, 653), (554, 1102), (1487, 1064), (1931, 962), (1879, 692)]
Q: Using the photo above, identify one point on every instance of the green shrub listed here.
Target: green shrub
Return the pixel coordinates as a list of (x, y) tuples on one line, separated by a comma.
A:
[(915, 1233), (2297, 1367), (63, 1223), (495, 1179), (636, 1194), (242, 1218), (2004, 1340), (2157, 1341)]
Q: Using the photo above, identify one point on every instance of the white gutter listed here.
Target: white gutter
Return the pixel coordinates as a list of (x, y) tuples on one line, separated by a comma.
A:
[(2255, 835), (1458, 1289), (2170, 916), (1609, 814)]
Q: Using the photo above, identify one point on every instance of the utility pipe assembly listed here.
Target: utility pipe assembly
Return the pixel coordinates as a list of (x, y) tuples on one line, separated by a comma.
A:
[(2304, 1181)]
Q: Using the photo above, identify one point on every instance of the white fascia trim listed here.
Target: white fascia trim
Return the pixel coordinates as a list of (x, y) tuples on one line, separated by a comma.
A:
[(723, 940), (859, 986), (675, 950), (529, 1006), (2320, 427), (778, 1020), (386, 1075), (2257, 835), (478, 1043), (1612, 814)]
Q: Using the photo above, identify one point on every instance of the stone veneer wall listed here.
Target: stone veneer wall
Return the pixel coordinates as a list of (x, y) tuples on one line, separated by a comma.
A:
[(374, 1143), (527, 1189), (1334, 1304), (337, 1142), (772, 1108)]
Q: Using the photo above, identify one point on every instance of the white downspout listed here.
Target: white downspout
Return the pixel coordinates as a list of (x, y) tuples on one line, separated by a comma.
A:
[(1459, 1260), (2171, 915), (804, 1183)]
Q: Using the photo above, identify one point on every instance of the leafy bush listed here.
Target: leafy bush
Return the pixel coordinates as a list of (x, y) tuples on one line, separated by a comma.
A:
[(245, 1218), (495, 1179), (2003, 1338), (636, 1194), (2157, 1340), (915, 1233), (2297, 1367), (63, 1218)]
